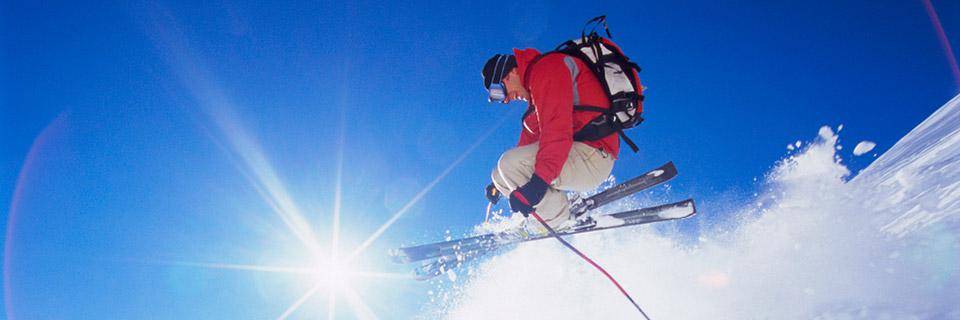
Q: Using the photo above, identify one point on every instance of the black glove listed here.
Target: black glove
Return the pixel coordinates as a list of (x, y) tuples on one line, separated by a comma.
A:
[(493, 195), (525, 197)]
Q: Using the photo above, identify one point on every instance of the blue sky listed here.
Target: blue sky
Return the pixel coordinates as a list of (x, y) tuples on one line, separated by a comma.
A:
[(167, 133)]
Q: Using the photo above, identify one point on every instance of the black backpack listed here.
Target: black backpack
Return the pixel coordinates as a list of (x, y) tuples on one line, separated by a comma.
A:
[(617, 75)]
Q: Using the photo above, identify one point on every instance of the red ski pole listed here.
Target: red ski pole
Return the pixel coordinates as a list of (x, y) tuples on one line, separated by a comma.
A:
[(594, 264)]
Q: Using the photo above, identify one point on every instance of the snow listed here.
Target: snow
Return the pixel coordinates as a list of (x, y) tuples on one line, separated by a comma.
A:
[(863, 147), (826, 132), (883, 245), (499, 223), (608, 221), (914, 184), (452, 275), (795, 145), (656, 173), (677, 212)]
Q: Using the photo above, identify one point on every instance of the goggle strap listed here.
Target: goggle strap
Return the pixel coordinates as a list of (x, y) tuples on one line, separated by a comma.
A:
[(498, 70)]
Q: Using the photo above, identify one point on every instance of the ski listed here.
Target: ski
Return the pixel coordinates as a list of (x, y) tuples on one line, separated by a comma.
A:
[(578, 208), (444, 263), (645, 181), (449, 248), (452, 248), (452, 258)]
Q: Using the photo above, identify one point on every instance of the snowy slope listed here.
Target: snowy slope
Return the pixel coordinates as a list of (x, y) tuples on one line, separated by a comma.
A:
[(814, 246), (917, 182)]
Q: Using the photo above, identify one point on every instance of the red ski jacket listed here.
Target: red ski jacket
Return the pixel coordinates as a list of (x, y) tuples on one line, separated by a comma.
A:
[(556, 83)]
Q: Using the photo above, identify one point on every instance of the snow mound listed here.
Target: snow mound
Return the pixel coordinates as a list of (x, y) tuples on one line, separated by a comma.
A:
[(882, 246), (863, 147), (916, 184)]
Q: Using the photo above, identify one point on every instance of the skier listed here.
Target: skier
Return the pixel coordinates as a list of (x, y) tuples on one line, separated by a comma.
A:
[(547, 161)]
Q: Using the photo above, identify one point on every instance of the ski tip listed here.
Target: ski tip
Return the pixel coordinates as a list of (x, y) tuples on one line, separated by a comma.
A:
[(667, 169), (693, 207), (690, 206), (678, 210), (672, 169), (669, 165)]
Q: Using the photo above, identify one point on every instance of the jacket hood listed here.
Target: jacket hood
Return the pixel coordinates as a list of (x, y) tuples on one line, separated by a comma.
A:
[(524, 58)]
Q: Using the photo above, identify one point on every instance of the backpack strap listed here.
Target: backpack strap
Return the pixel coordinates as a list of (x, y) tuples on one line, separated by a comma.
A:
[(623, 135), (600, 20), (592, 109)]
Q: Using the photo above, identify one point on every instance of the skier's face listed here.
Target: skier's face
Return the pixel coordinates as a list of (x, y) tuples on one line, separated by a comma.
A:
[(515, 89)]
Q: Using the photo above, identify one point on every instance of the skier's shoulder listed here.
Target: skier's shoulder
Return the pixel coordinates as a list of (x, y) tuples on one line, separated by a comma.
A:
[(552, 64), (551, 61)]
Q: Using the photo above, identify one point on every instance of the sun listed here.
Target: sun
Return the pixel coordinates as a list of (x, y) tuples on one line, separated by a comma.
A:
[(337, 275), (331, 274), (334, 273)]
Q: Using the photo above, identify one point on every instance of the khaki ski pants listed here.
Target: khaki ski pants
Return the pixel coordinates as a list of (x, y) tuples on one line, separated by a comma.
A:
[(585, 169)]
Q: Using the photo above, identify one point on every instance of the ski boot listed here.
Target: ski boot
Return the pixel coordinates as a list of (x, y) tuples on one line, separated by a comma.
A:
[(579, 219)]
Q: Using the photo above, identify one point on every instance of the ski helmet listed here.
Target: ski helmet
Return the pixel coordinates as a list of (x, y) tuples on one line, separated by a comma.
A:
[(493, 72)]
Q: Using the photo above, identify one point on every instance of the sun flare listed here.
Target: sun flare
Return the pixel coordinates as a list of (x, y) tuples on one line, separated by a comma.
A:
[(336, 275)]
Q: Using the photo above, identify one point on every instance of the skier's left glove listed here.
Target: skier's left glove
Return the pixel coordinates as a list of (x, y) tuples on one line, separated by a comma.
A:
[(526, 196), (493, 195)]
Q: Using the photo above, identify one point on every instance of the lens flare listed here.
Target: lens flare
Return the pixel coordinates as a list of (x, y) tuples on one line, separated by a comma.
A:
[(944, 41)]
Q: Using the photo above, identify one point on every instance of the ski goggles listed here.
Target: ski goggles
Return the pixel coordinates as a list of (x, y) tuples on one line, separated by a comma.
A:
[(497, 93)]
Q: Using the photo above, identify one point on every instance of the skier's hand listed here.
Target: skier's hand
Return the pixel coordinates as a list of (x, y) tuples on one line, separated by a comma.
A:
[(493, 195), (525, 197)]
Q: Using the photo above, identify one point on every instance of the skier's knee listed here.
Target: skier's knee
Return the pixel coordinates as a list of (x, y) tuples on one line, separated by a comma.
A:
[(511, 160)]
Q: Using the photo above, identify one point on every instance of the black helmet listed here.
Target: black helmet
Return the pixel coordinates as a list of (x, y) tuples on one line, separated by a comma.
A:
[(493, 72)]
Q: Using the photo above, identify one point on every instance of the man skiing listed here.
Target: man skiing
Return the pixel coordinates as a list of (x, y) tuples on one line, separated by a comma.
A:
[(547, 160), (578, 96)]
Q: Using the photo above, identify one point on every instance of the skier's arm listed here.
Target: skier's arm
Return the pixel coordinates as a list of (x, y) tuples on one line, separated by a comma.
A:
[(551, 91), (526, 136)]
